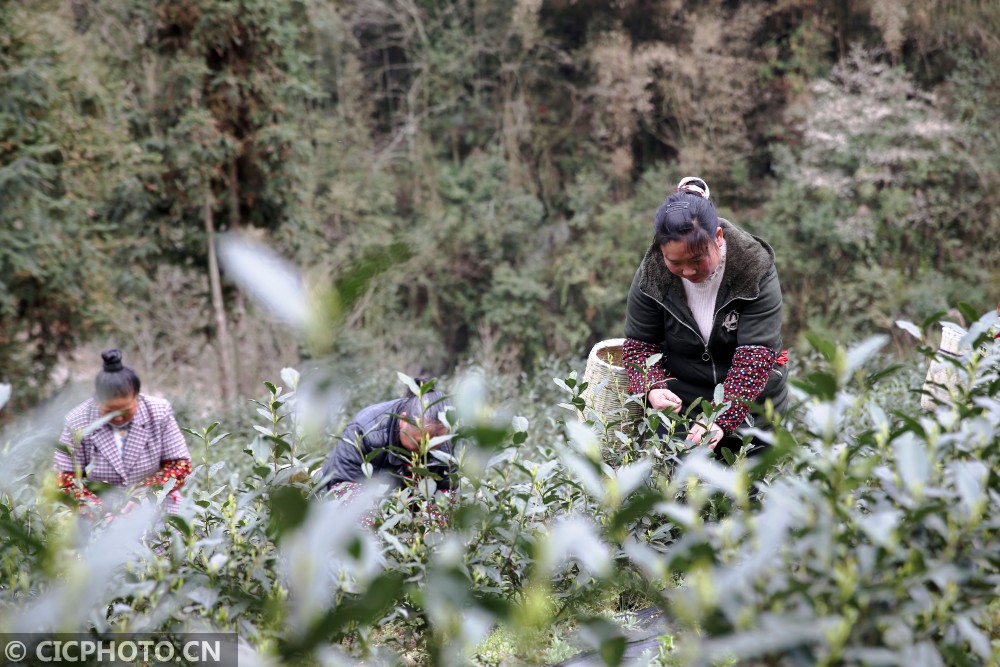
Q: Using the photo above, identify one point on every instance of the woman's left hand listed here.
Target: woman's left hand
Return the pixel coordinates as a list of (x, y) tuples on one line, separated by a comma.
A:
[(697, 435)]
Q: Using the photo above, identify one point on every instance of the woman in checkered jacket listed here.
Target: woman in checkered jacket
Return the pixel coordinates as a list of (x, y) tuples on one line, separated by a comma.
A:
[(139, 448)]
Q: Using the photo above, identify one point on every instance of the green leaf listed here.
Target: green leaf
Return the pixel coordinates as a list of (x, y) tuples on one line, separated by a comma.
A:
[(607, 638), (206, 597), (352, 283), (353, 612), (638, 504), (910, 424), (468, 515), (267, 276), (218, 438), (420, 471), (912, 463), (825, 347), (410, 384), (495, 605), (969, 312), (682, 515), (970, 481), (443, 457), (859, 354), (486, 436), (180, 524), (289, 507), (19, 536), (881, 527), (911, 328), (874, 377), (290, 377), (819, 384), (932, 319), (427, 485), (281, 446), (978, 640), (631, 476), (93, 426), (612, 651)]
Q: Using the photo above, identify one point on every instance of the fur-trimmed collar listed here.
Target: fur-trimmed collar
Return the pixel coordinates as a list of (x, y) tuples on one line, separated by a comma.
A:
[(748, 259)]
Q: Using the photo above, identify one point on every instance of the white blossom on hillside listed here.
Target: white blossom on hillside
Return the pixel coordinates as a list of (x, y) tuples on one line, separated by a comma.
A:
[(866, 123)]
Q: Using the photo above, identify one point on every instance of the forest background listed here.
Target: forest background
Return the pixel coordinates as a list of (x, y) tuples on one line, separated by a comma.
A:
[(463, 180), (462, 184)]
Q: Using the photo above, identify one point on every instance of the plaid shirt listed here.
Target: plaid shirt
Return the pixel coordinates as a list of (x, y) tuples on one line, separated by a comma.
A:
[(153, 438)]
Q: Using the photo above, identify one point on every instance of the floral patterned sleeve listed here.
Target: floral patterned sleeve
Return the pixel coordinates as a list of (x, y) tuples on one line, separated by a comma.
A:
[(635, 353), (69, 485), (176, 469), (752, 366)]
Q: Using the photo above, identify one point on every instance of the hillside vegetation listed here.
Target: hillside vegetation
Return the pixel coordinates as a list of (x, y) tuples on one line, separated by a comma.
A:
[(282, 210), (495, 164)]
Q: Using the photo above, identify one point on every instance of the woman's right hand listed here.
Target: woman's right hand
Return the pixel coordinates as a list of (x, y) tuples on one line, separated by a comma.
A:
[(661, 399)]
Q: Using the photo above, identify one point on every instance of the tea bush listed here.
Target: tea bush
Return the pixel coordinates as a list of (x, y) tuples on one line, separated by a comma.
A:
[(874, 545), (864, 536)]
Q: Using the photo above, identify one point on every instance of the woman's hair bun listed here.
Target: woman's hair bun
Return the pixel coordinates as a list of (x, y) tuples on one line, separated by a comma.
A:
[(694, 185), (112, 361)]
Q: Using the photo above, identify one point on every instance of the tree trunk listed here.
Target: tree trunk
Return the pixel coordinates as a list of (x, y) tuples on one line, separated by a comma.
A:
[(239, 302), (221, 330)]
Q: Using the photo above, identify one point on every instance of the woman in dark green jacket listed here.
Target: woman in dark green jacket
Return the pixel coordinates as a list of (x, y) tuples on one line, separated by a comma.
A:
[(706, 297)]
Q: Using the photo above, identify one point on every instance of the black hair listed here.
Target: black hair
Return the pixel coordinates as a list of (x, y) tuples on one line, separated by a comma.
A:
[(687, 215), (430, 406), (115, 379)]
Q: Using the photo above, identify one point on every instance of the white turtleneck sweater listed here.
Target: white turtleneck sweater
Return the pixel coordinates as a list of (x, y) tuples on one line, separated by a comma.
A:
[(701, 296)]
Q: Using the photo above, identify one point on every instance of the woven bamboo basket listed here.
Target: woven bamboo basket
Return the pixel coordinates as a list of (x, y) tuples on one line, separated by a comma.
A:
[(607, 386), (943, 379)]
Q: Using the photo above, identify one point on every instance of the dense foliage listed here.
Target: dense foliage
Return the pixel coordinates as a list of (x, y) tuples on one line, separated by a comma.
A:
[(866, 536), (52, 291), (500, 161), (469, 180)]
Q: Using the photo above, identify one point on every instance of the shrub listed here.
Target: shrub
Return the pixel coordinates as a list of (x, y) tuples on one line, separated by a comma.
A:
[(869, 540)]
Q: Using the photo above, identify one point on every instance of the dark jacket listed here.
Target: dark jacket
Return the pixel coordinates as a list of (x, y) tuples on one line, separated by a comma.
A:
[(375, 428), (747, 312)]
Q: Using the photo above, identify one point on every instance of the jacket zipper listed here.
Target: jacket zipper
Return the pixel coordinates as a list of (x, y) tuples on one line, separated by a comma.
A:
[(706, 356), (715, 379)]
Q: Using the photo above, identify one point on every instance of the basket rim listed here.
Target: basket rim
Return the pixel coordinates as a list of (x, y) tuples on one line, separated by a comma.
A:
[(603, 345)]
